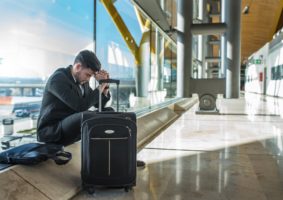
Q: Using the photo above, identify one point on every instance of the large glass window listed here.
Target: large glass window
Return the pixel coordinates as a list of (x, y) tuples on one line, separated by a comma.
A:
[(169, 8), (207, 48), (37, 37), (135, 51)]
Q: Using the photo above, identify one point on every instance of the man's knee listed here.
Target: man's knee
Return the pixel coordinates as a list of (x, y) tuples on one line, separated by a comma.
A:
[(49, 134)]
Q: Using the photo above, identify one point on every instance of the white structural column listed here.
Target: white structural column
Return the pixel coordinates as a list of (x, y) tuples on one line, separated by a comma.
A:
[(184, 47), (232, 47)]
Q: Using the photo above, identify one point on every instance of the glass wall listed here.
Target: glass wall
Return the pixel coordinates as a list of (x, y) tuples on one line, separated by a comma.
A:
[(37, 37), (169, 8), (206, 48), (134, 50)]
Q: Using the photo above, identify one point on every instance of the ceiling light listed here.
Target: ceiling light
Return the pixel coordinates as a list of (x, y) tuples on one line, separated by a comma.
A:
[(246, 9)]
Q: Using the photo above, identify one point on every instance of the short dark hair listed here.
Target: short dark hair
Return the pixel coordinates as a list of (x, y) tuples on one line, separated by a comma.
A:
[(88, 59)]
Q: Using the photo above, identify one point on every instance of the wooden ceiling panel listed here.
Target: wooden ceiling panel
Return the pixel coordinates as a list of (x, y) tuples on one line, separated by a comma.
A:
[(259, 24)]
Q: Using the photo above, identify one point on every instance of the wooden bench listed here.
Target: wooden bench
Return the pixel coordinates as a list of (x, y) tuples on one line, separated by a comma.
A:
[(50, 181)]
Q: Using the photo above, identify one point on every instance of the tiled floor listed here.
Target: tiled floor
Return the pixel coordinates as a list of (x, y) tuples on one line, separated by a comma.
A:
[(236, 155)]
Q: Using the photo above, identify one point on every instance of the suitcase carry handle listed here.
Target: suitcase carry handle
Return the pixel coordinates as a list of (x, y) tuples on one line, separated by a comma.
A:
[(117, 82)]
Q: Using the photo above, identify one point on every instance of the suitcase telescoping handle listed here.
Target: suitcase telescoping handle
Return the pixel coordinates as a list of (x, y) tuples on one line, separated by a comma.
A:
[(109, 81), (117, 82)]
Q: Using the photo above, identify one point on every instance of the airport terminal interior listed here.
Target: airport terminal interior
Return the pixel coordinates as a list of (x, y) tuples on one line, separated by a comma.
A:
[(202, 76)]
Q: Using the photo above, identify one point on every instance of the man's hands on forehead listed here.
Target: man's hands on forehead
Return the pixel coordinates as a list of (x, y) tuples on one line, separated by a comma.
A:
[(103, 74)]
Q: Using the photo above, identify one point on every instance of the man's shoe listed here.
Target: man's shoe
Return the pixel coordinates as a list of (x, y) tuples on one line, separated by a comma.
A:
[(140, 163)]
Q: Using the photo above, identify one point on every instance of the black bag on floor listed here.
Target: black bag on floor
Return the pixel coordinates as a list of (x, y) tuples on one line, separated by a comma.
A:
[(109, 141), (34, 153)]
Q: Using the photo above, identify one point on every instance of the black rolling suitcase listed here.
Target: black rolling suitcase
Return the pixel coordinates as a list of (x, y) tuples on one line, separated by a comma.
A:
[(108, 148)]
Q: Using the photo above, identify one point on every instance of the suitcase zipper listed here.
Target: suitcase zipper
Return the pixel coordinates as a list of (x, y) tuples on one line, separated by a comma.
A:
[(116, 138), (121, 138), (126, 118)]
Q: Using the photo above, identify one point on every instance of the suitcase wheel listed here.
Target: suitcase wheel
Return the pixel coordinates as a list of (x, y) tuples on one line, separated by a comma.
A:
[(127, 188), (90, 190)]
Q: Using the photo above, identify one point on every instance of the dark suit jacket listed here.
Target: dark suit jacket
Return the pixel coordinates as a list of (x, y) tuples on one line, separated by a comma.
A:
[(62, 97)]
